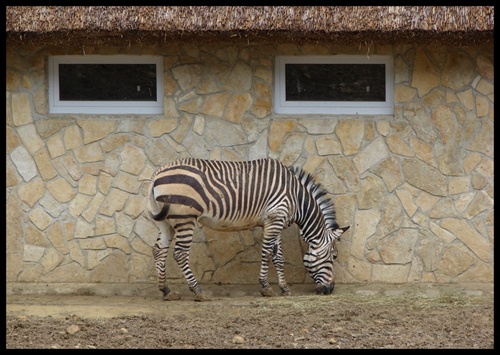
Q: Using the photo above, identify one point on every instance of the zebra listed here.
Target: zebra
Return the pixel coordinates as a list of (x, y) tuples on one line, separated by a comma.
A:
[(237, 195)]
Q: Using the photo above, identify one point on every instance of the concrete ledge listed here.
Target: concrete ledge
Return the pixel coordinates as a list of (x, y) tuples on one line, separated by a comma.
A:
[(427, 290)]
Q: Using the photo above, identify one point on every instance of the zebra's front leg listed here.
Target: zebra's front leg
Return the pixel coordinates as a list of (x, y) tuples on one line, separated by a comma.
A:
[(268, 245), (271, 248), (279, 264), (266, 289)]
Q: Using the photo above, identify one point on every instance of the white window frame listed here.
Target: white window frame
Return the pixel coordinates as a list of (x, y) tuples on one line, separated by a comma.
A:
[(282, 106), (104, 107)]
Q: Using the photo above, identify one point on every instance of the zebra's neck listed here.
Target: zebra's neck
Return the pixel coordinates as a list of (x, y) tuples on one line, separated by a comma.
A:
[(309, 217)]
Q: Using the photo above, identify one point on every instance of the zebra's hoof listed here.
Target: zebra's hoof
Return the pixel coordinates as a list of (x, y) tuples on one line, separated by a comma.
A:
[(286, 293), (172, 296), (201, 297), (267, 292)]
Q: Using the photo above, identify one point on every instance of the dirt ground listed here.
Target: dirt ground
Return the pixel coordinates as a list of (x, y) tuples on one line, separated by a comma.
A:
[(352, 317)]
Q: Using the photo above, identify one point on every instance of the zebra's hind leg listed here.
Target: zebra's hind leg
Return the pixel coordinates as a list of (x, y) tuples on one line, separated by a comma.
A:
[(279, 264), (160, 252), (182, 258), (183, 239)]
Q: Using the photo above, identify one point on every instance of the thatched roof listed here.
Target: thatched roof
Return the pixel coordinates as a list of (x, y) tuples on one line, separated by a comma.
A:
[(459, 25)]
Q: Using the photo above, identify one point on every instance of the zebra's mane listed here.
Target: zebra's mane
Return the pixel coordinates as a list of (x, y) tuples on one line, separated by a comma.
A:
[(319, 194)]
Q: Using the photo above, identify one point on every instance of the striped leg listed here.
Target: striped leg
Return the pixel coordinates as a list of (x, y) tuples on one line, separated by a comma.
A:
[(271, 240), (184, 229), (160, 252), (279, 264)]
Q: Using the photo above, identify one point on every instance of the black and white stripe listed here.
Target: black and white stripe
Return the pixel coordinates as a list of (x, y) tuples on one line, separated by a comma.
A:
[(231, 195)]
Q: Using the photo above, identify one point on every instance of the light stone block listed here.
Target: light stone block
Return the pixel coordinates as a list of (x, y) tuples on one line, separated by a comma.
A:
[(425, 177), (89, 153), (328, 145), (72, 137), (94, 258), (236, 107), (233, 134), (390, 171), (21, 109), (132, 159), (407, 201), (33, 253), (31, 192), (318, 126), (350, 133), (61, 190), (390, 273), (398, 146), (104, 225), (51, 206), (78, 204), (398, 247), (76, 253), (51, 259), (480, 203), (455, 261), (469, 236), (375, 152), (24, 163), (458, 185), (424, 76), (124, 225), (94, 130), (361, 271), (143, 248), (126, 182), (30, 138), (113, 202), (116, 241), (147, 231), (40, 218), (365, 225), (278, 130), (91, 210), (214, 104), (44, 165)]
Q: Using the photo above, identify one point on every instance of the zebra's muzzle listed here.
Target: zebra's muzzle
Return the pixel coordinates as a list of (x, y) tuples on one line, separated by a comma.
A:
[(324, 289)]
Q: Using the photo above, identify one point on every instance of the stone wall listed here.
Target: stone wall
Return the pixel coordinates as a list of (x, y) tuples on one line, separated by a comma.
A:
[(416, 187)]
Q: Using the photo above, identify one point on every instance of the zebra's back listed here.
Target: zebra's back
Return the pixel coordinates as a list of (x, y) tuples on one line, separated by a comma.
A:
[(228, 195)]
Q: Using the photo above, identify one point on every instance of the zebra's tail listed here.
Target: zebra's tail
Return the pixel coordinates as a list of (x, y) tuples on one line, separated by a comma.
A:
[(160, 216), (154, 211)]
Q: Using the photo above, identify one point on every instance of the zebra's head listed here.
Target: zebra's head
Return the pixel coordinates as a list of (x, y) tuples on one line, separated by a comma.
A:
[(318, 261)]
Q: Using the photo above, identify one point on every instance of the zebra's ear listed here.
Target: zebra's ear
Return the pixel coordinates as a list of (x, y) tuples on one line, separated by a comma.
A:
[(337, 232), (335, 251)]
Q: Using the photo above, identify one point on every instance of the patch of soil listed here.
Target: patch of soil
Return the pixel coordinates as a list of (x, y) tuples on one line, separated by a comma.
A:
[(297, 321)]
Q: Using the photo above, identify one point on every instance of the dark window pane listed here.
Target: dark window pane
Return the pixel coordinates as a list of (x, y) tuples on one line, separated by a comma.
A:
[(335, 82), (107, 82)]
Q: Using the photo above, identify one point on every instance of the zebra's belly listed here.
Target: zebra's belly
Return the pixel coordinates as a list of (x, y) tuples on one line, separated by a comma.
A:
[(224, 225)]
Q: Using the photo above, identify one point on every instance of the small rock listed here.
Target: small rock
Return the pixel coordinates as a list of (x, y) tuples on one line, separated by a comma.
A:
[(332, 340), (237, 339), (124, 330), (72, 329)]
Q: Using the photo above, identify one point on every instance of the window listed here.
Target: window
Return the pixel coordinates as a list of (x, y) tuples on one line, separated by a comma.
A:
[(106, 84), (339, 84)]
